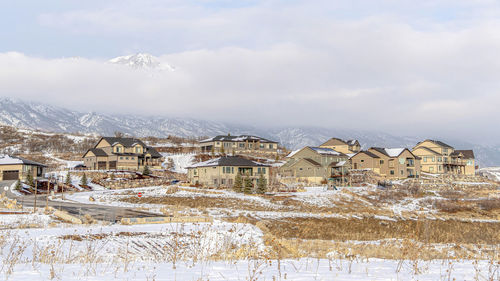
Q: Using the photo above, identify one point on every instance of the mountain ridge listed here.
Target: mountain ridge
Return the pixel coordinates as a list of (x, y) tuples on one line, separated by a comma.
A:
[(39, 116)]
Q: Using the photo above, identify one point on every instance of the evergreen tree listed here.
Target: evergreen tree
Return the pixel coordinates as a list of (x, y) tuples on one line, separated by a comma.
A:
[(68, 179), (238, 183), (248, 185), (146, 171), (29, 180), (84, 181), (18, 185), (262, 184)]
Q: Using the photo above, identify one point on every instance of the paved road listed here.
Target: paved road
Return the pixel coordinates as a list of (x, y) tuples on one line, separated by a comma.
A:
[(99, 212)]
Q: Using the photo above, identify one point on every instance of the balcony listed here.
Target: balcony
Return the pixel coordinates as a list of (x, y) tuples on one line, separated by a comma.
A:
[(458, 162)]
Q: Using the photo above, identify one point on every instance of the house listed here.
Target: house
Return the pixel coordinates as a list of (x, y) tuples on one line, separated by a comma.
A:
[(222, 171), (395, 163), (441, 158), (346, 147), (316, 165), (18, 168), (121, 153), (238, 144)]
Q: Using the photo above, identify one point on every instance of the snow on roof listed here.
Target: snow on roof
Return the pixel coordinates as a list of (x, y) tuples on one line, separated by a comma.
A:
[(228, 161), (7, 160), (394, 152), (327, 151), (293, 153)]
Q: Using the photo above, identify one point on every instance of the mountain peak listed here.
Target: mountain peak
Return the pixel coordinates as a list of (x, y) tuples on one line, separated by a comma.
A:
[(142, 61)]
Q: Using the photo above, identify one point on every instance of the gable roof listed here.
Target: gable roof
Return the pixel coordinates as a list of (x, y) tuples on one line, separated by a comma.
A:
[(333, 141), (238, 138), (468, 154), (127, 142), (352, 142), (372, 155), (228, 161), (153, 152), (16, 160), (97, 152), (391, 152), (325, 151), (440, 143), (428, 149), (311, 161)]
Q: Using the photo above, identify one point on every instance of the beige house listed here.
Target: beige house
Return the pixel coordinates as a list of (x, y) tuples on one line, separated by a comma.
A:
[(393, 163), (111, 153), (346, 147), (238, 144), (441, 158), (316, 165), (222, 171), (17, 168)]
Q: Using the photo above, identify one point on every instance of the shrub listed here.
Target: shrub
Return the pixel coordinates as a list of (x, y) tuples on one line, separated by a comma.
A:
[(146, 171), (489, 204)]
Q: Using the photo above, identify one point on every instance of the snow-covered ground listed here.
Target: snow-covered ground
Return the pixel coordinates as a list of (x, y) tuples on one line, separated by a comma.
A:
[(180, 161)]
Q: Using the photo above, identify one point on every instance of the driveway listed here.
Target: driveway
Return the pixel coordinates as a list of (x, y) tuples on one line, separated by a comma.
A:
[(99, 212)]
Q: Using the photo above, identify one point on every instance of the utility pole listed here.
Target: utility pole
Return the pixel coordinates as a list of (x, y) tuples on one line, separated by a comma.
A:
[(36, 189), (48, 192)]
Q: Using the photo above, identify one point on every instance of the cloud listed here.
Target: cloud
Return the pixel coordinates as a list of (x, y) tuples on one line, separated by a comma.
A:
[(397, 66)]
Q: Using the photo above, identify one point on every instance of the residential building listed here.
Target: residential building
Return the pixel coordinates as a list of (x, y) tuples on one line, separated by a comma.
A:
[(441, 158), (316, 165), (113, 153), (346, 147), (394, 163), (238, 144), (18, 168), (222, 171)]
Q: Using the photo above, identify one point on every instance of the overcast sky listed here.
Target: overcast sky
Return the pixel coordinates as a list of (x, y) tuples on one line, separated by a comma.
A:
[(403, 66)]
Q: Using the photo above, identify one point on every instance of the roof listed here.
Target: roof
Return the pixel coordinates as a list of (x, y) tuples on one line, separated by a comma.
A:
[(440, 143), (390, 152), (127, 142), (428, 149), (238, 138), (312, 161), (333, 141), (16, 160), (153, 152), (352, 142), (372, 155), (229, 161), (325, 151), (468, 154), (338, 164), (97, 152)]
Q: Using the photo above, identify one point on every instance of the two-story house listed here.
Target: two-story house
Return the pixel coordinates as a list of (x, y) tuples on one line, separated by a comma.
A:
[(222, 171), (112, 153), (346, 147), (441, 158), (395, 163), (238, 144), (316, 165)]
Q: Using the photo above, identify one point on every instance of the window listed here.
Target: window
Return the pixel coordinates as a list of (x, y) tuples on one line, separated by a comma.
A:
[(195, 172), (133, 158), (445, 150), (121, 157), (362, 160), (431, 169), (425, 158), (230, 181), (232, 170), (126, 158), (402, 172), (469, 163), (242, 145), (138, 149), (223, 181), (381, 162), (264, 171), (118, 149), (259, 170), (218, 143), (261, 145), (223, 170), (250, 145), (271, 146), (440, 159), (433, 159), (215, 181), (440, 168), (392, 172)]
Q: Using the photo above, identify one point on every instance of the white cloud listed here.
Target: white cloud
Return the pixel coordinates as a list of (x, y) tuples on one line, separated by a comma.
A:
[(370, 65)]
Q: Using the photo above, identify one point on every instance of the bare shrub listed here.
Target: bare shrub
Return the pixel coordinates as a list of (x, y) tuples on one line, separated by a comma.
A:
[(489, 204)]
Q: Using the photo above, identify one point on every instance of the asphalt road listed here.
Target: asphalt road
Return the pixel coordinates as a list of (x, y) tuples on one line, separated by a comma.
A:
[(99, 212)]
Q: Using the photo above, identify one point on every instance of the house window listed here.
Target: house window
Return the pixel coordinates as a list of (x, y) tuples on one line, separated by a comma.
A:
[(250, 145), (215, 181), (121, 157), (425, 159), (261, 145), (232, 170), (118, 149), (242, 145), (440, 168), (264, 171), (431, 169), (433, 159), (271, 146), (218, 143), (137, 150), (195, 172), (445, 150), (133, 158), (362, 160), (392, 172), (381, 162), (223, 181), (402, 172), (440, 159), (126, 158), (230, 181), (223, 170)]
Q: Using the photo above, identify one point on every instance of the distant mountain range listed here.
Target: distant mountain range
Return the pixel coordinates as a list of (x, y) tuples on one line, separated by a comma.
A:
[(37, 116), (142, 61)]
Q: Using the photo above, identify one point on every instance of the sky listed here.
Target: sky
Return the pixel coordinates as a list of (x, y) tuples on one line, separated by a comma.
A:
[(399, 66)]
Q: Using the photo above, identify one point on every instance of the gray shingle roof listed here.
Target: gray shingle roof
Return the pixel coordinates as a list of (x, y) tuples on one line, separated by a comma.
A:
[(127, 142), (468, 154), (229, 161), (238, 138)]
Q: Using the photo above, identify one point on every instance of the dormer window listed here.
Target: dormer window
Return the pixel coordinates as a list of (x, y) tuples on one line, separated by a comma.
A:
[(137, 149), (118, 149)]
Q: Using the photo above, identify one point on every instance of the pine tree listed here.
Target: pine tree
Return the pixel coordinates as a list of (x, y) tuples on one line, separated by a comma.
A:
[(238, 183), (262, 185), (146, 171), (18, 185), (29, 180), (248, 185), (84, 181), (68, 179)]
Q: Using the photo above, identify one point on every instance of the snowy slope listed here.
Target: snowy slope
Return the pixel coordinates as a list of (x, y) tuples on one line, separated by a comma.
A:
[(142, 61)]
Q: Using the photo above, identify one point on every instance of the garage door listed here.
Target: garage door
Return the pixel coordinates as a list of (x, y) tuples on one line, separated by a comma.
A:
[(10, 175)]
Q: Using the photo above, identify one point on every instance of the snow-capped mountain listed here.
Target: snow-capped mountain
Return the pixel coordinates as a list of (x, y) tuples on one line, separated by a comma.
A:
[(142, 61), (37, 116)]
